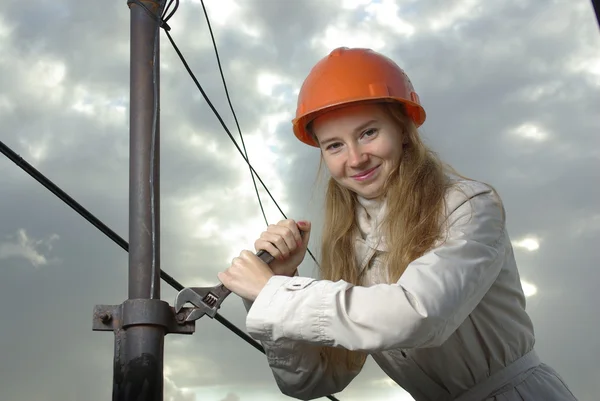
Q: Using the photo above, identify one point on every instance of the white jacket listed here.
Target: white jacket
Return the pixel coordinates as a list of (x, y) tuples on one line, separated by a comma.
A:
[(454, 326)]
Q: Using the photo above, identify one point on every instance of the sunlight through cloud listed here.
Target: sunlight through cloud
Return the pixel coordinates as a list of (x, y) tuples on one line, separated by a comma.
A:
[(45, 79), (589, 65), (450, 16), (37, 148), (267, 81), (367, 32), (385, 12), (385, 382), (530, 243), (532, 93), (230, 215), (220, 12), (338, 36), (354, 4), (528, 289), (531, 131), (95, 104), (226, 13)]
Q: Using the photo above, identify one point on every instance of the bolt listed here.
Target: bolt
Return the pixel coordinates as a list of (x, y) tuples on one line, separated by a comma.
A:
[(180, 317), (105, 317)]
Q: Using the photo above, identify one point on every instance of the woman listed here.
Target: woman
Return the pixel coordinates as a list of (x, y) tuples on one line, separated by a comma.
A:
[(417, 267)]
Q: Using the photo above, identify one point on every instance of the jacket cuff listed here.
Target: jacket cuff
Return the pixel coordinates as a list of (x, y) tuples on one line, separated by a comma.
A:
[(271, 318), (248, 303)]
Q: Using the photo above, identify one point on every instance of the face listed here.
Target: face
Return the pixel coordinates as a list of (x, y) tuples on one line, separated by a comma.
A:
[(361, 145)]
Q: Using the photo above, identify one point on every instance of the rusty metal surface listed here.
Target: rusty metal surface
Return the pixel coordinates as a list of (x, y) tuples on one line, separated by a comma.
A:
[(141, 322), (144, 164), (109, 318), (138, 367)]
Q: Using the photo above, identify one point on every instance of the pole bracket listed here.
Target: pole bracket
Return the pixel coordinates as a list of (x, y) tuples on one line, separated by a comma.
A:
[(142, 312)]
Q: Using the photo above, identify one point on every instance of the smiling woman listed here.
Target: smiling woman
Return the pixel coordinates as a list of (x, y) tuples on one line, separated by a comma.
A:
[(417, 266)]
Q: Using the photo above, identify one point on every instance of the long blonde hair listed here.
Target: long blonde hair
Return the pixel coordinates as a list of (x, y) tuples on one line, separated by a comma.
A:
[(415, 192)]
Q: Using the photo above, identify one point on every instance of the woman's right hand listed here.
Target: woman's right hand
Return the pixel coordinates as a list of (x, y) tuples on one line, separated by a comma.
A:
[(285, 243)]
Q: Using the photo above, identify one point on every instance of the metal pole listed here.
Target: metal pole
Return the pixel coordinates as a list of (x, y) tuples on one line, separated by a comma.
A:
[(142, 321), (144, 250), (143, 364)]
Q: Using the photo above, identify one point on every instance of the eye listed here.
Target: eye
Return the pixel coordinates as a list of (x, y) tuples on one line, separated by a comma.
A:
[(370, 132), (333, 146)]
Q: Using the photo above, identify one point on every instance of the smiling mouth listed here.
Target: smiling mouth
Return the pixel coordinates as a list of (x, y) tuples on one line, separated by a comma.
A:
[(365, 174)]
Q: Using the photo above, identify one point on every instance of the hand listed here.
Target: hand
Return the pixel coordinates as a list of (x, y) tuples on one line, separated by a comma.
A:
[(284, 242), (246, 276)]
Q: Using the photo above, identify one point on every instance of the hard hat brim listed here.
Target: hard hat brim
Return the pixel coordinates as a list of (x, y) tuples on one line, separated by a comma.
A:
[(414, 110)]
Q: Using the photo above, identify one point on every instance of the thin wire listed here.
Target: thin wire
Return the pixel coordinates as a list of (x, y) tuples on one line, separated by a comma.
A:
[(212, 37), (166, 17), (88, 216), (216, 113), (153, 144), (38, 176)]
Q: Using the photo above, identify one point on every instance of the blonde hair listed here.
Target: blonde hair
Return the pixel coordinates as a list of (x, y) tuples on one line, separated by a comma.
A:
[(416, 190)]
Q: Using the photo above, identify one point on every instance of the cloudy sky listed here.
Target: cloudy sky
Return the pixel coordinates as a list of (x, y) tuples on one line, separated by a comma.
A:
[(511, 89)]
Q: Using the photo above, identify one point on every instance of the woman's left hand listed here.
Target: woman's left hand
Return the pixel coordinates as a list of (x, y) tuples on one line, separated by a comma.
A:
[(246, 276)]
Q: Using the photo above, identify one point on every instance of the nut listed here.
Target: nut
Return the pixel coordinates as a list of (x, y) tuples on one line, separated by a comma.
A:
[(105, 317)]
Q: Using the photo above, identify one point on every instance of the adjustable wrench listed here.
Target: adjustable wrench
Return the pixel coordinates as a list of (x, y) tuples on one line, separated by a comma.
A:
[(207, 300)]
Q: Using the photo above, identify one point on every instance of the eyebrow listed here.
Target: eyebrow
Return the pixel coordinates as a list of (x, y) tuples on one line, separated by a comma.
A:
[(357, 129)]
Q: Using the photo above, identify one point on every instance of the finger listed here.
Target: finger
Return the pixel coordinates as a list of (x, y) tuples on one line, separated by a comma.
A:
[(252, 261), (292, 225), (237, 265), (279, 242), (224, 278), (261, 244), (289, 232), (305, 226)]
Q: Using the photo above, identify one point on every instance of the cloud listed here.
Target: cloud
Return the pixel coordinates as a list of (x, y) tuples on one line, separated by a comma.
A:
[(20, 245), (231, 397), (173, 393), (510, 89)]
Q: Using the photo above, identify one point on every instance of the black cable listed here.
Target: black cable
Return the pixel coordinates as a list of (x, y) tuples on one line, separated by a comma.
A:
[(216, 113), (38, 176), (162, 22), (212, 37), (69, 201), (167, 28), (166, 17)]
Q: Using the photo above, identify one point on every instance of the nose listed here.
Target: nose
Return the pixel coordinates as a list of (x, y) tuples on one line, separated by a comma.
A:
[(356, 156)]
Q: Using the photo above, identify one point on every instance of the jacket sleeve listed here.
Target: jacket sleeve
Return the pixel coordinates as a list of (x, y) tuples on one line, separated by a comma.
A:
[(301, 371), (432, 298)]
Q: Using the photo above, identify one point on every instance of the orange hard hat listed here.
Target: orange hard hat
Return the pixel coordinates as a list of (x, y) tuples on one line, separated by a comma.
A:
[(349, 76)]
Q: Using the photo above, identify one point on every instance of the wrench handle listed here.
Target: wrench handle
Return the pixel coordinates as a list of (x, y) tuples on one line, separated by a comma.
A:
[(265, 256)]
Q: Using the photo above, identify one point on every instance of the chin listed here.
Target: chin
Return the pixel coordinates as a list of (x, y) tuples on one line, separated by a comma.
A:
[(371, 191), (372, 194)]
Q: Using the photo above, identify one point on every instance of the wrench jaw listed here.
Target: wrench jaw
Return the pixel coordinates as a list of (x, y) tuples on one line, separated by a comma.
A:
[(196, 314), (187, 295), (206, 300)]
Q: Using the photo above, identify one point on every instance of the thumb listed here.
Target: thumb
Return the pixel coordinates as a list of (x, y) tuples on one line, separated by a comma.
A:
[(304, 227)]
